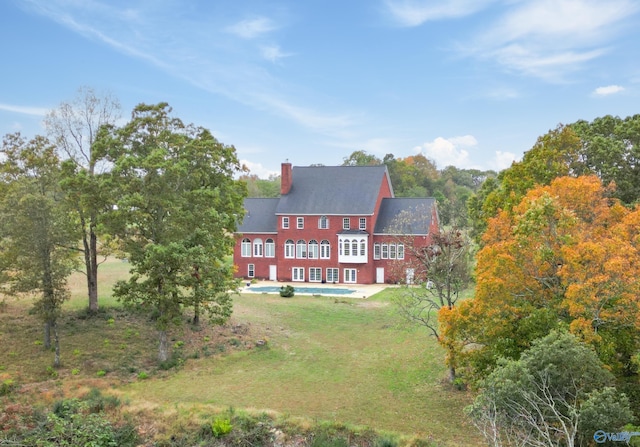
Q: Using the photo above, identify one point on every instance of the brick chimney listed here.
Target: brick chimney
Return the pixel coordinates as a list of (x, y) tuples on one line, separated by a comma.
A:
[(285, 179)]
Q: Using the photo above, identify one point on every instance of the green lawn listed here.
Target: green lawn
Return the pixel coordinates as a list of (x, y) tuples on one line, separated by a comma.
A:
[(335, 359), (327, 359)]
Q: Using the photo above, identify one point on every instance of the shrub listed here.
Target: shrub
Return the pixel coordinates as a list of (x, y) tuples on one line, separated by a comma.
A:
[(221, 427), (7, 386), (287, 291)]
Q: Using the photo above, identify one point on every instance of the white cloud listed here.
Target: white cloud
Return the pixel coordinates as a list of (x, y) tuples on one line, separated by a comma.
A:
[(449, 151), (273, 53), (551, 38), (258, 169), (252, 28), (608, 90), (416, 12), (502, 160), (35, 111)]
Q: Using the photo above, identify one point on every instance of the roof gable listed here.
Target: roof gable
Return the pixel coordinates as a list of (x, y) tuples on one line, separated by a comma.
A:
[(260, 216), (407, 215), (334, 190)]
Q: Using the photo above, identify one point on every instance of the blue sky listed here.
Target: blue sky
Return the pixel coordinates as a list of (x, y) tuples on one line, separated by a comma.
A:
[(470, 83)]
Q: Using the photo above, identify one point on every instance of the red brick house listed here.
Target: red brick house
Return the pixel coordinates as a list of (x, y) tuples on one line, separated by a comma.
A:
[(330, 224)]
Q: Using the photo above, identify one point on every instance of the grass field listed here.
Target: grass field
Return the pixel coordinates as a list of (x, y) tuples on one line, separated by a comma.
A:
[(346, 360)]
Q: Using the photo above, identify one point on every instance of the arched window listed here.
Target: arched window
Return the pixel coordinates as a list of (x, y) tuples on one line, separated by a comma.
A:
[(346, 247), (246, 248), (363, 247), (257, 248), (323, 223), (313, 249), (325, 249), (354, 247), (269, 248), (301, 249), (289, 249)]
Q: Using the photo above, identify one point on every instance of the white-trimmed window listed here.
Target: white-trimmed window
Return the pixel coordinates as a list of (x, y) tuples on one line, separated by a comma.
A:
[(300, 223), (376, 250), (246, 248), (323, 223), (289, 249), (270, 248), (285, 223), (352, 250), (315, 274), (251, 270), (350, 275), (392, 251), (301, 249), (313, 250), (257, 248), (362, 223), (332, 275), (385, 251), (346, 223), (400, 251), (325, 249), (297, 274)]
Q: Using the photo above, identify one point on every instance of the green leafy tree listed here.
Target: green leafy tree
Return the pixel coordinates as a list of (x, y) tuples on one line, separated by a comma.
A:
[(608, 147), (259, 187), (74, 127), (177, 208), (555, 154), (611, 150), (361, 158), (35, 230), (557, 393)]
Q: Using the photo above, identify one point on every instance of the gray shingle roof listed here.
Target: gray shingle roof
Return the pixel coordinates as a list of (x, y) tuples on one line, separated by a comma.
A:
[(346, 190), (405, 216), (260, 216)]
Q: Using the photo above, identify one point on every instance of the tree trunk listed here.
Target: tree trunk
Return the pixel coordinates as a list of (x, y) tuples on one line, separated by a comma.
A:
[(92, 271), (56, 341), (452, 374), (47, 335), (90, 248), (163, 349), (196, 313)]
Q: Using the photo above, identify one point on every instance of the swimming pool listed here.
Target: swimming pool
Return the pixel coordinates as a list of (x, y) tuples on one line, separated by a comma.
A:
[(309, 290)]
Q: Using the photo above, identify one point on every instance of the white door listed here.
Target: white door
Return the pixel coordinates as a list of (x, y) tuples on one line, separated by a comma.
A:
[(273, 273), (380, 275)]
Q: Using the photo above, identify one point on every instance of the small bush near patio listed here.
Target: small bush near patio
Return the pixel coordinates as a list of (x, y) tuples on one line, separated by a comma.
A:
[(287, 291)]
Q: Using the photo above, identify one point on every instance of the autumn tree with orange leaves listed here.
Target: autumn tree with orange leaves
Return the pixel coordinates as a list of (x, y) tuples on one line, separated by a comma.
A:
[(566, 257)]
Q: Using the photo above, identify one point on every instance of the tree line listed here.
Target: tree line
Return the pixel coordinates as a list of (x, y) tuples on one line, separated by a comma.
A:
[(159, 192), (551, 337)]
